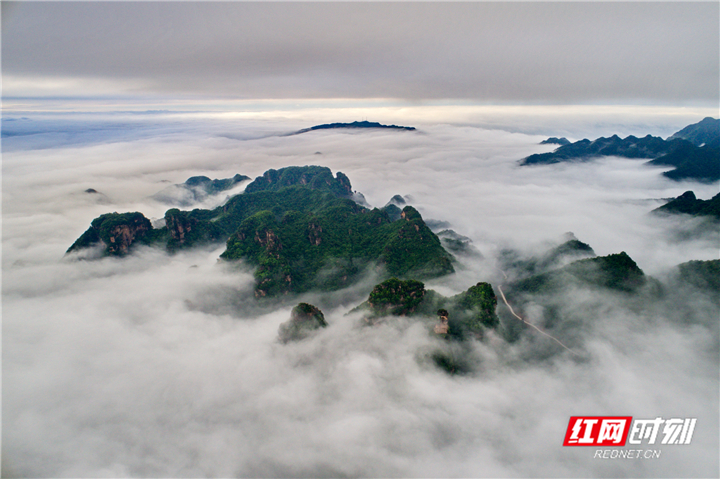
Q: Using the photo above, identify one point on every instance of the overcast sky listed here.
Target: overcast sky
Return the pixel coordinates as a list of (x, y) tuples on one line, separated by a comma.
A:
[(564, 53)]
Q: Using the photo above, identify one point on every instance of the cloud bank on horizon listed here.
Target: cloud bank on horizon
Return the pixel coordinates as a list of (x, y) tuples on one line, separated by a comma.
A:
[(556, 53)]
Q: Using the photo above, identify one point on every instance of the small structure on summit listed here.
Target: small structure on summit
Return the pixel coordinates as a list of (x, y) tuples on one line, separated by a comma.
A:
[(442, 326)]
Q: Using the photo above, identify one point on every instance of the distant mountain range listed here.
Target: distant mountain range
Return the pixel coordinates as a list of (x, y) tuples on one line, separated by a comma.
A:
[(354, 125), (694, 151)]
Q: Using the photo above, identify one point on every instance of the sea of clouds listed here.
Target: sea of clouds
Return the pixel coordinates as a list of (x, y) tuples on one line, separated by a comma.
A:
[(164, 366)]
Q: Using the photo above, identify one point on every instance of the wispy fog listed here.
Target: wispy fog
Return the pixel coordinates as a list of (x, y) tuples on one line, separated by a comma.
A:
[(164, 366)]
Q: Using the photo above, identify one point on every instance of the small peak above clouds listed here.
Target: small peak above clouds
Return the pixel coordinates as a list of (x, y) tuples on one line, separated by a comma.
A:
[(197, 189), (556, 141), (354, 125)]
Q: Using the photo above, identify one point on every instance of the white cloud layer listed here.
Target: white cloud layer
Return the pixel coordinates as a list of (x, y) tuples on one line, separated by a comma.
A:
[(158, 365)]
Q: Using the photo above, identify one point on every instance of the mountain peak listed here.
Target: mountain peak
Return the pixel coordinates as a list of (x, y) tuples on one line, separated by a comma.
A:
[(354, 125), (704, 132)]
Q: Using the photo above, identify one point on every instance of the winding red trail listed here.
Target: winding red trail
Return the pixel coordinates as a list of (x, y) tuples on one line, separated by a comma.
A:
[(529, 323)]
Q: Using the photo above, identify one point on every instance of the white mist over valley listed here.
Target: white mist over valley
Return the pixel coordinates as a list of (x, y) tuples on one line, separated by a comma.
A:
[(165, 365)]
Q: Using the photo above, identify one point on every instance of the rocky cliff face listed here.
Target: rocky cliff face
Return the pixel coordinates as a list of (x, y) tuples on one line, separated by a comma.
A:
[(186, 228), (178, 226), (116, 232)]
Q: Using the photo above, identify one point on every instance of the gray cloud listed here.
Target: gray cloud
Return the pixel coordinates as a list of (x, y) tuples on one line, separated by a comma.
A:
[(149, 366), (506, 52)]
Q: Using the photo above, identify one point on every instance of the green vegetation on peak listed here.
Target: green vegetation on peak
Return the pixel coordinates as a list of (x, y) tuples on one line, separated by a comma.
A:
[(393, 212), (214, 186), (396, 297), (304, 319), (412, 250), (572, 248), (314, 177), (300, 229), (615, 271), (479, 304), (326, 248), (470, 313)]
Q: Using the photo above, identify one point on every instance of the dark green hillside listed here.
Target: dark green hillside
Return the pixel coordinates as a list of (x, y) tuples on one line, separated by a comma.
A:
[(326, 247), (518, 266), (704, 275), (189, 228), (314, 177), (215, 186), (476, 308), (470, 313), (705, 132), (688, 204), (691, 162), (567, 301), (615, 272), (395, 297)]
